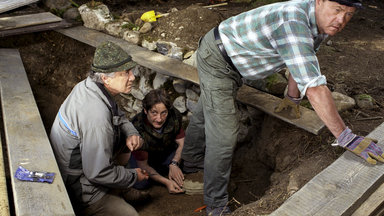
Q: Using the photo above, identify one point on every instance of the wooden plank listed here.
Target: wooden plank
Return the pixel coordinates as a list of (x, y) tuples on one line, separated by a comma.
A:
[(308, 121), (176, 68), (141, 55), (373, 204), (27, 143), (6, 5), (37, 28), (27, 20), (4, 203), (339, 189)]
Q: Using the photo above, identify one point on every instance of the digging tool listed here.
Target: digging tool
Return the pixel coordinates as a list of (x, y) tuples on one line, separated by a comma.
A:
[(150, 16)]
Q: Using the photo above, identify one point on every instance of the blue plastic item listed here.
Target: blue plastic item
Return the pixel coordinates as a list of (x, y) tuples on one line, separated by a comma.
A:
[(34, 176)]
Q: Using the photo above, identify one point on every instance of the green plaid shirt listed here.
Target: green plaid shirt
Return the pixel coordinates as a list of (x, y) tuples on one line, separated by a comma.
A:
[(266, 39)]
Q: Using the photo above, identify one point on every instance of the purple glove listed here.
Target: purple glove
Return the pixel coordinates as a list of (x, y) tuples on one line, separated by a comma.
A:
[(361, 146)]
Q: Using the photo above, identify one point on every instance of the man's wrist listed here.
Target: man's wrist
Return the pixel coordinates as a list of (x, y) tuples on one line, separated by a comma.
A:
[(345, 137), (295, 100)]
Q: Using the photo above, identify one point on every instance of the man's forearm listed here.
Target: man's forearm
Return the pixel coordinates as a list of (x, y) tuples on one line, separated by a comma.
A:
[(324, 105)]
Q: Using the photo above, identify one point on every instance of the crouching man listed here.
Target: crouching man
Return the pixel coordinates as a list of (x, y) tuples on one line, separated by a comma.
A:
[(92, 138)]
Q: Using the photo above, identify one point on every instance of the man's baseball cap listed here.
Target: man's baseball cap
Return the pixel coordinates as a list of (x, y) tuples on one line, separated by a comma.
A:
[(350, 3), (110, 57)]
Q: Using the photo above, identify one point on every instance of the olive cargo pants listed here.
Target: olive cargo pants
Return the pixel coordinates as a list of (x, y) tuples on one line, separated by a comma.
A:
[(214, 126)]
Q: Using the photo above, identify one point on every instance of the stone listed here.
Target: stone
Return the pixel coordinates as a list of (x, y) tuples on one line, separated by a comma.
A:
[(191, 60), (144, 83), (149, 45), (137, 106), (179, 104), (131, 36), (179, 85), (115, 28), (95, 18), (191, 105), (57, 4), (365, 101), (139, 22), (170, 49), (343, 102), (188, 54), (159, 80), (146, 28), (137, 93), (191, 95), (72, 14), (195, 88), (130, 17)]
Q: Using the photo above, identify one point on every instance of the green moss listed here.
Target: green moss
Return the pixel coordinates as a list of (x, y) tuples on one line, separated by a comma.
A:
[(271, 80), (74, 3), (58, 12), (129, 25), (306, 104), (147, 38), (364, 97)]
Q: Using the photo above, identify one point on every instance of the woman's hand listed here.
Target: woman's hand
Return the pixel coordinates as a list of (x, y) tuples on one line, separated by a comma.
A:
[(173, 187), (176, 174)]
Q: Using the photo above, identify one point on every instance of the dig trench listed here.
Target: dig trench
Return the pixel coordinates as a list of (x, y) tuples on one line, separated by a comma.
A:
[(273, 157)]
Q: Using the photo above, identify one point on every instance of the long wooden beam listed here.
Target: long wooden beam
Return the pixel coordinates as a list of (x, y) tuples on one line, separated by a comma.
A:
[(14, 22), (4, 202), (27, 143), (175, 68), (339, 189), (6, 5)]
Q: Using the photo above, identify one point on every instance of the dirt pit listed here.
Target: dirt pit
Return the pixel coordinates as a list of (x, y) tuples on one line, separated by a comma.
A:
[(278, 157)]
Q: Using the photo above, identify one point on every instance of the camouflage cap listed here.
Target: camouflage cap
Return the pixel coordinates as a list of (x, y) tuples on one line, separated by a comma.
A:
[(110, 57)]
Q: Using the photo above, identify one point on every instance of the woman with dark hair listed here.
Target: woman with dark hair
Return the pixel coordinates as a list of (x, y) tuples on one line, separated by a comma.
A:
[(160, 126)]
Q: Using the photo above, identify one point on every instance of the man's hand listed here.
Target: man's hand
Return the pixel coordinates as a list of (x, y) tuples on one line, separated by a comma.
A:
[(176, 174), (365, 148), (174, 188), (290, 102), (141, 174), (134, 142)]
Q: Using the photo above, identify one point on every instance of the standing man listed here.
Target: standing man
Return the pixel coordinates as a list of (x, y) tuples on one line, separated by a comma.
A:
[(160, 125), (91, 137), (253, 45)]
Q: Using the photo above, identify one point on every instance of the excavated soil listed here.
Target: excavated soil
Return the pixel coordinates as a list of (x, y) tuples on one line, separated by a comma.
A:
[(278, 157)]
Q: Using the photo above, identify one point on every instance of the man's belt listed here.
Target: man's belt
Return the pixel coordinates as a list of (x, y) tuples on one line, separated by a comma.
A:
[(222, 49)]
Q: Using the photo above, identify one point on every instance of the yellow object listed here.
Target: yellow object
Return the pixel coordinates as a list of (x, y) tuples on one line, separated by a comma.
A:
[(149, 16)]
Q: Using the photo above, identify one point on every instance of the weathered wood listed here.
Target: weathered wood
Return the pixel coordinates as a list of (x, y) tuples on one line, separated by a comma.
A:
[(372, 205), (27, 20), (27, 143), (6, 5), (4, 203), (37, 28), (339, 189), (308, 121), (142, 56), (176, 68)]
